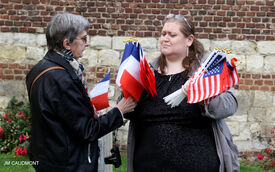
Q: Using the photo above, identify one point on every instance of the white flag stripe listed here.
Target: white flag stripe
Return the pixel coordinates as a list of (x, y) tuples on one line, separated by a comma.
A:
[(218, 85), (196, 92), (212, 86), (201, 89), (120, 71), (191, 92), (132, 66), (194, 83), (207, 87), (100, 89)]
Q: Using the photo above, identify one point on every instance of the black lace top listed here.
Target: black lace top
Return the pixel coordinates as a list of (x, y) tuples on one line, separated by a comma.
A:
[(172, 139)]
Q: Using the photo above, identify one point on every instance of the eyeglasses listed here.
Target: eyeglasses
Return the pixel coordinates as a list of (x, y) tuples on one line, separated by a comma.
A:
[(179, 16), (84, 39)]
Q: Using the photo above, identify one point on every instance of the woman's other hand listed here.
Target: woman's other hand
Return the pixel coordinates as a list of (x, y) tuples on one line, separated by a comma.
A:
[(185, 87), (126, 105)]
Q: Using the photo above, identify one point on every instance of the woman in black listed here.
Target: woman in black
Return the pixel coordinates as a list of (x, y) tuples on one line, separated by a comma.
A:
[(65, 131), (180, 139)]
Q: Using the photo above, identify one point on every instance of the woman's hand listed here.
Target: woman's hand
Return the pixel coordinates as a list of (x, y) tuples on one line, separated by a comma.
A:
[(185, 90), (185, 87), (126, 105)]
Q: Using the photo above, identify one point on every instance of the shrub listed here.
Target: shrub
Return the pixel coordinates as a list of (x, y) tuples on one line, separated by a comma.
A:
[(266, 159), (15, 127)]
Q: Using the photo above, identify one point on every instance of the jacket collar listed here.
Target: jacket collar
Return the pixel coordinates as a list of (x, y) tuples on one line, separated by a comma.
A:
[(59, 60)]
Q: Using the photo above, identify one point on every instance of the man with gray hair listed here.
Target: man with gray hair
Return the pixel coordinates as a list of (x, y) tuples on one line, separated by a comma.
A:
[(64, 130)]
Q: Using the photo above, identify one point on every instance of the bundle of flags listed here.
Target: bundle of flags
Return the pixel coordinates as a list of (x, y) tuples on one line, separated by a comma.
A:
[(214, 76), (99, 94), (134, 74)]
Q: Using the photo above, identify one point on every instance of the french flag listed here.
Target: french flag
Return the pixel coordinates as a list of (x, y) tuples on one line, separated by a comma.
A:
[(128, 77), (146, 75), (99, 94)]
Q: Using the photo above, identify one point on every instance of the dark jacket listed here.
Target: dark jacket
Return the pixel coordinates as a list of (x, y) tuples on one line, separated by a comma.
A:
[(63, 123)]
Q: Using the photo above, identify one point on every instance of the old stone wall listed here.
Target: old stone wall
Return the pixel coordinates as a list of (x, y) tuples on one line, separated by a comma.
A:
[(247, 27), (250, 126)]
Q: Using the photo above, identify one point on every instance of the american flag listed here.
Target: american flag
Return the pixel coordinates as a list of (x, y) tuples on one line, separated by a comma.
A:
[(213, 77)]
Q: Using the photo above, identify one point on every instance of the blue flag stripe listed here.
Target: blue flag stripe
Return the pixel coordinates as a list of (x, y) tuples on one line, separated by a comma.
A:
[(106, 78), (215, 70), (131, 49)]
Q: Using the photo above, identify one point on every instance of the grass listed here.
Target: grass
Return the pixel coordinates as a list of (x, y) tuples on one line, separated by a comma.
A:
[(10, 164), (243, 168), (249, 168), (246, 168), (15, 166), (122, 168)]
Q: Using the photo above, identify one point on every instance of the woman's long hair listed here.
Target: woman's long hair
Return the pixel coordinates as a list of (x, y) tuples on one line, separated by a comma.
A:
[(196, 50)]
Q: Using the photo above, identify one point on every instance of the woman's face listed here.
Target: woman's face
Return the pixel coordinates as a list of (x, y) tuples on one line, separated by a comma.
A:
[(173, 43), (79, 44)]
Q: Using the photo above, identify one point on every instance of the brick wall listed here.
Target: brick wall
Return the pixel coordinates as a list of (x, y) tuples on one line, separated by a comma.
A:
[(214, 19), (264, 82), (248, 81), (16, 71), (247, 27)]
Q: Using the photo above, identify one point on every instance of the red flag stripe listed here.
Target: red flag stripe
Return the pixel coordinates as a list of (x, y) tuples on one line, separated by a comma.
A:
[(199, 90), (217, 84), (205, 85), (131, 85), (100, 101)]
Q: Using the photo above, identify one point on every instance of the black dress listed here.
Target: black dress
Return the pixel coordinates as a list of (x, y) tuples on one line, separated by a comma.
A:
[(172, 139)]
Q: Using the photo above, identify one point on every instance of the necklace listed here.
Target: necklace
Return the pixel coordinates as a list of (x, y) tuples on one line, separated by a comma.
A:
[(170, 78)]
